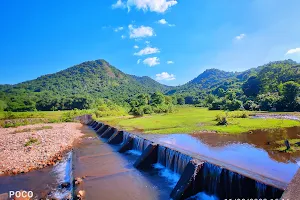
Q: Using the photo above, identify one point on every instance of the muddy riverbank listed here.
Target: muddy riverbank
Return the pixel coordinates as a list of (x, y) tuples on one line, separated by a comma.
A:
[(26, 148)]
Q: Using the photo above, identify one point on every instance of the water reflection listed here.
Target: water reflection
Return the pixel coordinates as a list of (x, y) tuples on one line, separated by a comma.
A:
[(249, 151)]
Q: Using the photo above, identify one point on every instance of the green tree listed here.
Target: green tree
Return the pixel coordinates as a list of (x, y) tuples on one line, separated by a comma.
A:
[(290, 93), (157, 98), (3, 105), (180, 101), (252, 86)]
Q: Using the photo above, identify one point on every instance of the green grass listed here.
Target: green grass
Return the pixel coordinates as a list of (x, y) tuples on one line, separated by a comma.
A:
[(193, 119), (15, 119), (186, 119), (55, 115), (30, 142), (31, 129)]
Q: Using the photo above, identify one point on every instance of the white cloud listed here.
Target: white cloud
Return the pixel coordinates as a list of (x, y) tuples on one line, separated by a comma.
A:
[(138, 61), (164, 22), (170, 62), (147, 51), (151, 61), (119, 29), (165, 76), (119, 4), (240, 37), (123, 36), (147, 42), (159, 6), (292, 51), (136, 46), (140, 32)]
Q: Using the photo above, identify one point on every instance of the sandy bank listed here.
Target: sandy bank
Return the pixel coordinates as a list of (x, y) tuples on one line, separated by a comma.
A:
[(35, 146)]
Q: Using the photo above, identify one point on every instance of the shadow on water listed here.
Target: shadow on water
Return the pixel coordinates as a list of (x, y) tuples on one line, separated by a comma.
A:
[(252, 152)]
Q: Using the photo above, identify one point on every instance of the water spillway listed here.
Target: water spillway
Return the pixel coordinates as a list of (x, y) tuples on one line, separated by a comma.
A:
[(196, 175), (134, 144), (173, 160), (222, 183)]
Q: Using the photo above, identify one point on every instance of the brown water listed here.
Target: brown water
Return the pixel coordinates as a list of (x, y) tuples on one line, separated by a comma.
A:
[(252, 152), (111, 175), (41, 182)]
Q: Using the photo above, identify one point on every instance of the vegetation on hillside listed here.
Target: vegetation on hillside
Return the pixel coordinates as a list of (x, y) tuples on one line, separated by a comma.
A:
[(148, 104), (274, 86), (78, 87)]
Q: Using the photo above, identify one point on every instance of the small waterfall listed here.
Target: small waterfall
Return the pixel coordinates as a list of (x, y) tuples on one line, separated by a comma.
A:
[(213, 173), (64, 173), (261, 189), (173, 160), (126, 135), (219, 182), (140, 144), (171, 164)]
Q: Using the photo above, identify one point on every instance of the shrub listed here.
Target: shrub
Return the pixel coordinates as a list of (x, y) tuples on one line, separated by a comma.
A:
[(233, 105), (147, 109), (251, 105), (217, 104), (221, 119), (138, 111), (239, 114)]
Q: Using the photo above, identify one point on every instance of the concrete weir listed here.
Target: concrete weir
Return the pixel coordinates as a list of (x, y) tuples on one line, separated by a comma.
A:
[(98, 126), (116, 138), (197, 174)]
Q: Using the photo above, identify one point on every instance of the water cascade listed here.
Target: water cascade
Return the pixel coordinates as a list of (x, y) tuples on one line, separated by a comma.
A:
[(139, 144), (63, 172), (220, 182), (172, 160)]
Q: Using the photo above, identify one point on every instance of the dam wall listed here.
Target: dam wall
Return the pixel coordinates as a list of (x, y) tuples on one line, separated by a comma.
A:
[(197, 174)]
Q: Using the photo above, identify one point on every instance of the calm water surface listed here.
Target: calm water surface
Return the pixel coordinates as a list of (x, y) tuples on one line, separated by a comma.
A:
[(252, 152)]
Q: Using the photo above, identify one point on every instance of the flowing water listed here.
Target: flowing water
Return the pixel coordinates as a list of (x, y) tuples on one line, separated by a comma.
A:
[(139, 144), (44, 182), (111, 175), (107, 174)]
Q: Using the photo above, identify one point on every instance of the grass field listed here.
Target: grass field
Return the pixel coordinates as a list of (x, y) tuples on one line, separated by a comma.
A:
[(37, 114), (23, 118), (192, 119), (186, 119)]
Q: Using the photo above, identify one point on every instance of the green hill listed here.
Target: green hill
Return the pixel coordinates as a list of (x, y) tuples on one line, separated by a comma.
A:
[(84, 82), (82, 85)]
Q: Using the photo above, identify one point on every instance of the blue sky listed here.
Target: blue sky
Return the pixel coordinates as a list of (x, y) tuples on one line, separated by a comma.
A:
[(170, 41)]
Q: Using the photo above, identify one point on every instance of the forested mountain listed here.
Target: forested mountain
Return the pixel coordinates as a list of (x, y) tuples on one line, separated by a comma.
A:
[(265, 87), (84, 82)]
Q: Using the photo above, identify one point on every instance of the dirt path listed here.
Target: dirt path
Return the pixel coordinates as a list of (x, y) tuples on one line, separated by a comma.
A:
[(35, 146)]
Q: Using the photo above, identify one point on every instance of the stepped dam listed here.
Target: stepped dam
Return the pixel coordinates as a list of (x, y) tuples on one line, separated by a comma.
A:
[(194, 176)]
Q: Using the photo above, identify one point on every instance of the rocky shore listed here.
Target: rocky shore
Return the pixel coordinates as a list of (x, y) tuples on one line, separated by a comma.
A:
[(32, 147)]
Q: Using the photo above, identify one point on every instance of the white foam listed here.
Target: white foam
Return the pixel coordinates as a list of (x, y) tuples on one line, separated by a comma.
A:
[(63, 174), (134, 152), (171, 176), (202, 196)]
